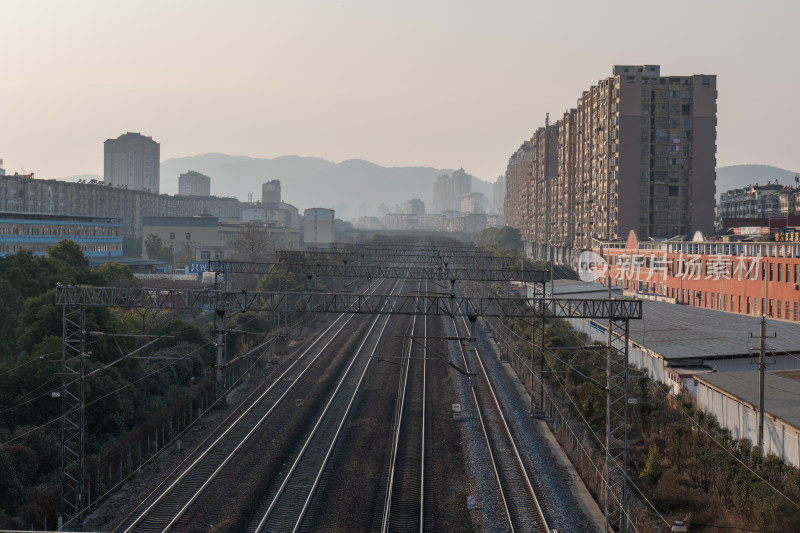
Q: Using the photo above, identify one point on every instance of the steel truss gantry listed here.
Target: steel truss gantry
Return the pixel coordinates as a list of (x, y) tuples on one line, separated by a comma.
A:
[(321, 302)]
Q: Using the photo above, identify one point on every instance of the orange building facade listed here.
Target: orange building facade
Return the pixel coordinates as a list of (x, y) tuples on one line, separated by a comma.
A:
[(751, 278)]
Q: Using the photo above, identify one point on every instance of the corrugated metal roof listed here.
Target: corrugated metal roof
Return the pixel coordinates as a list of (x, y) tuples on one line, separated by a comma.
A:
[(782, 394), (684, 332)]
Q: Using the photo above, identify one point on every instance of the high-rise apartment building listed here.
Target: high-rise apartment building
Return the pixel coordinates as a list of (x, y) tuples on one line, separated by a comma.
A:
[(498, 194), (448, 190), (415, 206), (637, 153), (518, 180), (271, 193), (132, 161), (193, 183)]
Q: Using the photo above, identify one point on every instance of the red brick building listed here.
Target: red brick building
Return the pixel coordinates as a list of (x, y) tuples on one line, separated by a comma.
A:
[(752, 278)]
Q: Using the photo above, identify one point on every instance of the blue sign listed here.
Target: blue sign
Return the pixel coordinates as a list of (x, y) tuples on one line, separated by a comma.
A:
[(197, 267)]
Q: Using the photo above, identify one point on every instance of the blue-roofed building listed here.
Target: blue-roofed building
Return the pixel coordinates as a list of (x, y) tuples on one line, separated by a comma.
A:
[(36, 232)]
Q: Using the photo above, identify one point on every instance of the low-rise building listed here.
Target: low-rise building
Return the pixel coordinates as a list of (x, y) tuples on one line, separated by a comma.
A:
[(753, 201), (36, 232), (318, 227), (207, 238), (706, 355), (733, 398), (745, 277), (24, 194)]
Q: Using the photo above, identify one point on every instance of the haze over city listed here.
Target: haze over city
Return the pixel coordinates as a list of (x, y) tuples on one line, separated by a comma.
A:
[(399, 266), (443, 84)]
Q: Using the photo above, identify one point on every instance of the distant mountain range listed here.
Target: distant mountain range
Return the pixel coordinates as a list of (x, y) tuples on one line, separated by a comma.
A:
[(738, 176), (353, 188), (356, 187)]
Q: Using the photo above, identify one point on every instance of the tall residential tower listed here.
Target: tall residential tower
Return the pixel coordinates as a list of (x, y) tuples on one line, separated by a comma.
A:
[(637, 153), (132, 161)]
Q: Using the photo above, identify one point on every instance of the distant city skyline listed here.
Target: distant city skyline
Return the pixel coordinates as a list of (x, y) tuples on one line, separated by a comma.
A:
[(445, 85)]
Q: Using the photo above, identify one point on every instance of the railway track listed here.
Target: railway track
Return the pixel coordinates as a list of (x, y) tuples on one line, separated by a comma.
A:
[(408, 505), (516, 492), (287, 502), (165, 511)]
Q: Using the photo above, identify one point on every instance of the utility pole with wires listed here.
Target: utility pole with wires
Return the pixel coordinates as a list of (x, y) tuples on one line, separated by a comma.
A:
[(762, 366)]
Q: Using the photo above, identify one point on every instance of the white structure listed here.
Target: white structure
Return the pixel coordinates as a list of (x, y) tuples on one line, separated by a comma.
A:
[(318, 227), (732, 397), (132, 161), (473, 203), (193, 183), (253, 214)]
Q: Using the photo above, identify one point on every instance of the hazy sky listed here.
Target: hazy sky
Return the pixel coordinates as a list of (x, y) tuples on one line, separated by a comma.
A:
[(430, 83)]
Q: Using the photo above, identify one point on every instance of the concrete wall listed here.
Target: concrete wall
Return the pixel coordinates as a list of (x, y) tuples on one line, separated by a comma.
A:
[(779, 438)]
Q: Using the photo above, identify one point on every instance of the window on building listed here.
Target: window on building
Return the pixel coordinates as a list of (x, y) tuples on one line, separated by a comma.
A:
[(787, 272), (740, 304), (755, 306), (769, 309), (779, 271), (188, 236), (787, 311), (172, 235), (778, 308), (205, 255), (796, 272), (795, 312)]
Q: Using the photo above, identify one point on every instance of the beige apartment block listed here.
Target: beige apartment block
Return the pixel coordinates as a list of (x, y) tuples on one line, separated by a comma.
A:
[(637, 152), (517, 180)]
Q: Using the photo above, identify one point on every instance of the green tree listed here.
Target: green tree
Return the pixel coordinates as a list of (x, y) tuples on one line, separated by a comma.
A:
[(652, 472), (505, 237), (156, 250), (68, 251), (117, 275)]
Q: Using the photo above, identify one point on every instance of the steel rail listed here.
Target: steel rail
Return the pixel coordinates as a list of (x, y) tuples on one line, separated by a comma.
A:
[(218, 463), (323, 461), (404, 505), (508, 473)]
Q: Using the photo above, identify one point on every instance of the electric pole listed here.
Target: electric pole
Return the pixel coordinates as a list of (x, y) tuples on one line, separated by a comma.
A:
[(762, 366)]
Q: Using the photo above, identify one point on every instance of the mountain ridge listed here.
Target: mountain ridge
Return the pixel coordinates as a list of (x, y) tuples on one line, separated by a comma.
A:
[(356, 187)]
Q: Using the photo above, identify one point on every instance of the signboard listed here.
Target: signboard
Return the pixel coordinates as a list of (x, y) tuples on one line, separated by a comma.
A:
[(55, 395), (196, 267)]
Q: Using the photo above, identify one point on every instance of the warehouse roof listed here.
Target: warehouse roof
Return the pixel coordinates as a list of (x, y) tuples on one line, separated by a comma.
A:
[(676, 331), (783, 397)]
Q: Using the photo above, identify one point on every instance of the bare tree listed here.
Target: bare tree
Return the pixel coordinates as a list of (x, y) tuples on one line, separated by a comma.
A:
[(254, 244)]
